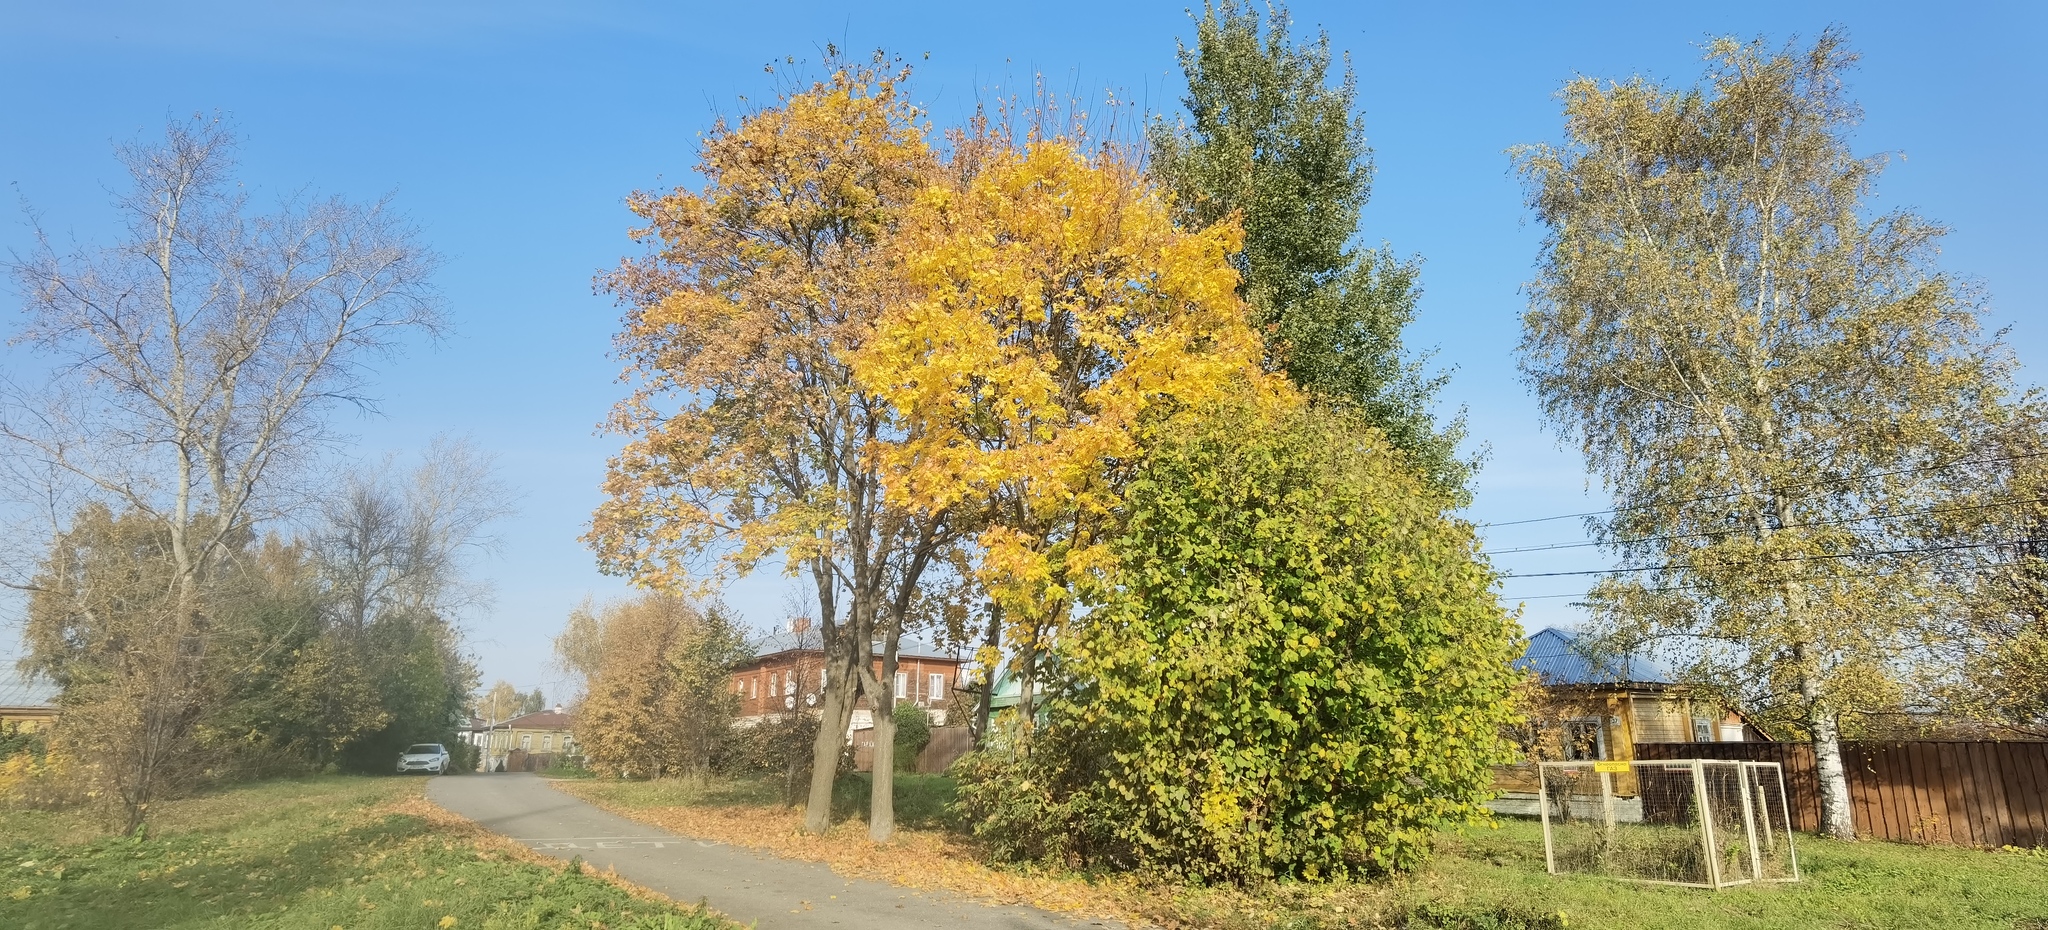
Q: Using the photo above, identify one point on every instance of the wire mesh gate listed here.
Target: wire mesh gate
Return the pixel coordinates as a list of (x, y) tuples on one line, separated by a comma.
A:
[(1702, 822)]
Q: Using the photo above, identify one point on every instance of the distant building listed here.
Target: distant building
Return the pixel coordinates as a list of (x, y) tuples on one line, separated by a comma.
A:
[(1600, 707), (1609, 704), (787, 675), (27, 704), (523, 743)]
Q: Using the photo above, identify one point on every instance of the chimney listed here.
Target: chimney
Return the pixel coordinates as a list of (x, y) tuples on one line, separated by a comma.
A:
[(800, 625)]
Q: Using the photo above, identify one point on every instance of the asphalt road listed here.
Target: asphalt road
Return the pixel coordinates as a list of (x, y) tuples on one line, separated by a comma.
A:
[(740, 883)]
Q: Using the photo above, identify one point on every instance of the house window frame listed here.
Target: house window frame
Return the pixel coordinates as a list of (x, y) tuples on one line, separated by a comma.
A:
[(1574, 725), (935, 684), (902, 685), (1703, 730), (526, 742)]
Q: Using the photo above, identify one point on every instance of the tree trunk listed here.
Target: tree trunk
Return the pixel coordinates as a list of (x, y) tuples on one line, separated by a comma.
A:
[(834, 714), (985, 703), (1835, 818), (882, 784)]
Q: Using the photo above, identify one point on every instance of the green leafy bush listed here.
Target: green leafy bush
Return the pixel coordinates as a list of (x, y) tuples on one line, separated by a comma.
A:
[(779, 746), (1483, 917), (15, 738), (1297, 668), (913, 733)]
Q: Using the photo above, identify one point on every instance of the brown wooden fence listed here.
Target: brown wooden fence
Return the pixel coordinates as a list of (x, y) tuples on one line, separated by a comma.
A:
[(1965, 793)]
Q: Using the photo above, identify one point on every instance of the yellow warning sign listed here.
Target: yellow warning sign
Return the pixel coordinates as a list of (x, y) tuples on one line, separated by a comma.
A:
[(1619, 768)]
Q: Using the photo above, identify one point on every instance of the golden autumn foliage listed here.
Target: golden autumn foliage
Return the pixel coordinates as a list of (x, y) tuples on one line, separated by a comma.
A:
[(659, 700), (1055, 304), (853, 353), (749, 437), (740, 315)]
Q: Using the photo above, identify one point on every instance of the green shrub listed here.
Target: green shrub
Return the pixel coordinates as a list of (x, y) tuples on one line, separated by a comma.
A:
[(1297, 669), (1482, 917), (16, 738), (913, 733), (779, 746)]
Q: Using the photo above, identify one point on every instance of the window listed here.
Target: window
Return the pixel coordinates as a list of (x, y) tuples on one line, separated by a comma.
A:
[(902, 684), (771, 684), (821, 679), (789, 682), (1584, 739), (547, 743), (1702, 730), (753, 687), (526, 741), (937, 687)]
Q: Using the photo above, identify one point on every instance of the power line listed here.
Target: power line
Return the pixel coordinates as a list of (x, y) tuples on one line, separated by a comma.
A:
[(1790, 558), (1786, 488), (1713, 584), (1583, 544)]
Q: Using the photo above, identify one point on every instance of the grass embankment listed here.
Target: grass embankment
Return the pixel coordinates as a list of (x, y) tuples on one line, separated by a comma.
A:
[(1489, 879), (320, 853)]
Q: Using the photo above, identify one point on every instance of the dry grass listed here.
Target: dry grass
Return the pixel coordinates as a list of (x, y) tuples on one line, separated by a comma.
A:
[(928, 860)]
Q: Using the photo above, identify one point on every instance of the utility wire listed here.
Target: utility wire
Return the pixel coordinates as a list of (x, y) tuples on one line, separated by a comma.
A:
[(1790, 487), (1713, 584), (1551, 547), (1789, 558)]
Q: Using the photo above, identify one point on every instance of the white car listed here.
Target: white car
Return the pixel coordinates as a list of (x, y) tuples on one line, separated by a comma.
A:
[(431, 758)]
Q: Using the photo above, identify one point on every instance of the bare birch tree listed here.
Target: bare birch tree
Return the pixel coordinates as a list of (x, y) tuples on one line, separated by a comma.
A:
[(190, 367)]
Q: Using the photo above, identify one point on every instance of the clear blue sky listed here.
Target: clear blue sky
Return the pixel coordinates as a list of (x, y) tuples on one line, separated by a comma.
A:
[(510, 132)]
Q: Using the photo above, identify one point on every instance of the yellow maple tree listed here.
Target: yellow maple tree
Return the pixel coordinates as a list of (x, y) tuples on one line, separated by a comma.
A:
[(748, 437), (1054, 305)]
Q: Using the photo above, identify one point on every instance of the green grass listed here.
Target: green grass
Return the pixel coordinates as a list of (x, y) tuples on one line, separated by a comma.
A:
[(923, 802), (563, 768), (1494, 879), (314, 853)]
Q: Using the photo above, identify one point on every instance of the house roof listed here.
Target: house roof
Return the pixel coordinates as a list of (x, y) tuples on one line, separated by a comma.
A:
[(540, 720), (1561, 659), (910, 647), (18, 690)]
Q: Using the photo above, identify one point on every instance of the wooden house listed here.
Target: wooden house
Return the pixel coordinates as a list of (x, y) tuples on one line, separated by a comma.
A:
[(1600, 707), (26, 704)]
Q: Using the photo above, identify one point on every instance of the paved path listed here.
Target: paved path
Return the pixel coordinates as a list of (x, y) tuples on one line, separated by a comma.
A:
[(740, 883)]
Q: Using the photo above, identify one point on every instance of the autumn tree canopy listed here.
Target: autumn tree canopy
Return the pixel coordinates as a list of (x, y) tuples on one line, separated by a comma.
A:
[(1773, 382), (1274, 139), (748, 436), (1054, 304), (659, 696)]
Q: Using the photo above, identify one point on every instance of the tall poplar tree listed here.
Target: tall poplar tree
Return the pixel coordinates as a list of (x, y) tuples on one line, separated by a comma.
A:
[(1270, 139), (1775, 384)]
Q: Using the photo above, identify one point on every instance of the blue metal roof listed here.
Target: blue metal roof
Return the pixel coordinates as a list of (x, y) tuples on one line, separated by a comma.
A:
[(1557, 656), (17, 690)]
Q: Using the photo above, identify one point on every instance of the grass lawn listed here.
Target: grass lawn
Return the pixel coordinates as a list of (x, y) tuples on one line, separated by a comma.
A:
[(1487, 879), (320, 853)]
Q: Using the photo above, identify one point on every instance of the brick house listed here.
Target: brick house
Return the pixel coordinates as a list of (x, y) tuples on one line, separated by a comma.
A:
[(787, 674)]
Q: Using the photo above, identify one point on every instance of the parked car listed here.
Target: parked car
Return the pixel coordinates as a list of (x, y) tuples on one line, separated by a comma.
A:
[(431, 758)]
